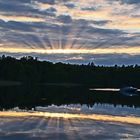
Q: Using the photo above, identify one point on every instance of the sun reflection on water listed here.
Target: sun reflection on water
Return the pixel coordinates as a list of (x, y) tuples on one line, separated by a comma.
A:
[(94, 117)]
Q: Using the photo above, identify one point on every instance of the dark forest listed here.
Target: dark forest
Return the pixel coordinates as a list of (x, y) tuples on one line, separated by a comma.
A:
[(29, 70)]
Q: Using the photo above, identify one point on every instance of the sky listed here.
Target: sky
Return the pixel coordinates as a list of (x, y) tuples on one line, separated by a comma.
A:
[(106, 32)]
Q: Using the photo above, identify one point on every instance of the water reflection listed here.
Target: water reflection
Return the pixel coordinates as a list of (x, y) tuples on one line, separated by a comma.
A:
[(95, 117), (32, 96), (65, 129), (72, 122)]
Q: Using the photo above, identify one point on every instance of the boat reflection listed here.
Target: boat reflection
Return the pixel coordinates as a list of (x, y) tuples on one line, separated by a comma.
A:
[(129, 91)]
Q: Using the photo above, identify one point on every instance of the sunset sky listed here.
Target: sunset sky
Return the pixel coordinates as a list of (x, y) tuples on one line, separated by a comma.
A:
[(75, 31)]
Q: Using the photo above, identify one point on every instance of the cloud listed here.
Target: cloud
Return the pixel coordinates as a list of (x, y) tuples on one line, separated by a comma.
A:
[(89, 8), (47, 1), (26, 8), (70, 5), (15, 1), (13, 25), (104, 31), (7, 18), (130, 1), (71, 35), (64, 18), (100, 22), (50, 11), (15, 6), (113, 59), (70, 24)]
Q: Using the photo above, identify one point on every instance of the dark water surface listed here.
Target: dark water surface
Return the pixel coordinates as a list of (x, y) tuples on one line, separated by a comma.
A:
[(27, 97)]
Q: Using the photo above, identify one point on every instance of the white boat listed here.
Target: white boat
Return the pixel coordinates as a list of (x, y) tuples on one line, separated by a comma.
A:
[(129, 91)]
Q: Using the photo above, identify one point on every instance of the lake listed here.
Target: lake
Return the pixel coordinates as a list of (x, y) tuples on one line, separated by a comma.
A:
[(58, 113), (28, 97)]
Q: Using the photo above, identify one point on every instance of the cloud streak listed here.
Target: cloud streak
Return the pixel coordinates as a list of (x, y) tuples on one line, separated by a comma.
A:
[(7, 18), (128, 50)]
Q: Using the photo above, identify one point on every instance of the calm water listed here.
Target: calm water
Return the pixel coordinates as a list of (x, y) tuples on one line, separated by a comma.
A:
[(29, 97), (88, 114)]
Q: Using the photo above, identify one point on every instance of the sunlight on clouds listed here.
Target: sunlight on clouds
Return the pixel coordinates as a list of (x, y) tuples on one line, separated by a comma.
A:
[(91, 15), (61, 9), (75, 58), (124, 22), (118, 14), (7, 18), (70, 27), (40, 6)]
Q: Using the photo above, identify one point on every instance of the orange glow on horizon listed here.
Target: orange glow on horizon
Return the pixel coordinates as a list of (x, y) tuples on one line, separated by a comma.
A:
[(125, 50)]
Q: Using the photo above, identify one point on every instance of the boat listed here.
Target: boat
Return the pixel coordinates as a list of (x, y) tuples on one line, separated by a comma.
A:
[(129, 91)]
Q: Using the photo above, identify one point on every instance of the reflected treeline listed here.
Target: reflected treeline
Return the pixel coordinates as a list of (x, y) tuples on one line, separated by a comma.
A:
[(30, 96), (27, 97), (115, 98)]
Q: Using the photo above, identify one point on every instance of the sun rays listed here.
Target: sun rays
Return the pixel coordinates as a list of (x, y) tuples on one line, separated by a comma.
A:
[(71, 122), (63, 27), (64, 128), (72, 41)]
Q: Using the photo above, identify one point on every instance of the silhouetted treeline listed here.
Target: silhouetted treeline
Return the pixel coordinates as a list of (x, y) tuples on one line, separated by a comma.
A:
[(30, 70)]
